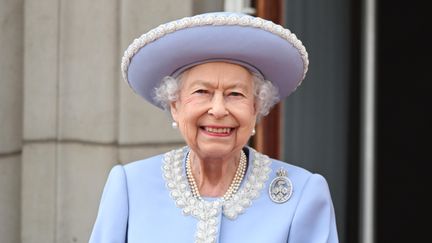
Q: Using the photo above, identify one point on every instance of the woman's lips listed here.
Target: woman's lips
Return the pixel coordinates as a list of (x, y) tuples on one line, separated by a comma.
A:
[(217, 131)]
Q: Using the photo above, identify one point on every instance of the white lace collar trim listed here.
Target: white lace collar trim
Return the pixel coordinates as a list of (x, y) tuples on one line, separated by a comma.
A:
[(207, 211)]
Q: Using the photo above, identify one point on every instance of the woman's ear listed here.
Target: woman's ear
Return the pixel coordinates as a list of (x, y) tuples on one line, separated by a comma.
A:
[(173, 110), (256, 108)]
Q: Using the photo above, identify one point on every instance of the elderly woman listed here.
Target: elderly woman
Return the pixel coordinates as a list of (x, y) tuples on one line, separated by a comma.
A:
[(217, 74)]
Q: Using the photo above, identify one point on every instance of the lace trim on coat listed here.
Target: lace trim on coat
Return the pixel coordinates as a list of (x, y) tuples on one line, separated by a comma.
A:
[(207, 212)]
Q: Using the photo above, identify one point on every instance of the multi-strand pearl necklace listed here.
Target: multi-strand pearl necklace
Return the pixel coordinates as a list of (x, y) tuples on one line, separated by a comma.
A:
[(235, 184)]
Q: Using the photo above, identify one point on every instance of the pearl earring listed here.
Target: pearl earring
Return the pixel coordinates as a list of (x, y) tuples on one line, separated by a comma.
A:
[(174, 124), (253, 131)]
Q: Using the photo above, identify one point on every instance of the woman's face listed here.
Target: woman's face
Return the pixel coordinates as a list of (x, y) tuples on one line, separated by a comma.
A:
[(216, 111)]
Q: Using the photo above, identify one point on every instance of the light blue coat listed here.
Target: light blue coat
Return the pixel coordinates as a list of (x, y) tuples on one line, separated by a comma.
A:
[(136, 207)]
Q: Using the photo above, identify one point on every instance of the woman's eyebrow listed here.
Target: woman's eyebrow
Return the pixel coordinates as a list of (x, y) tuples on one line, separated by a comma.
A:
[(208, 84), (237, 85), (201, 82)]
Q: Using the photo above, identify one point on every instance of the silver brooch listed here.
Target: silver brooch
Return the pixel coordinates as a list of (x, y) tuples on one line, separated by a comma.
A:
[(280, 189)]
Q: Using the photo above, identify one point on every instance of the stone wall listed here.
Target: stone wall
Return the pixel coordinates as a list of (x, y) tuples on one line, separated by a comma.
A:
[(11, 89), (66, 116)]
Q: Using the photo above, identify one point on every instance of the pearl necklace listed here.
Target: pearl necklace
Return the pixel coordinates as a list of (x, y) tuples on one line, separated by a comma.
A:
[(235, 184)]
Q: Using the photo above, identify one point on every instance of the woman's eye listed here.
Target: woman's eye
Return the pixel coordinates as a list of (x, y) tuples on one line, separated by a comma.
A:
[(200, 91), (235, 94)]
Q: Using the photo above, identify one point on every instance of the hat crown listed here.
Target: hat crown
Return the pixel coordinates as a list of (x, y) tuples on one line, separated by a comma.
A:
[(233, 30)]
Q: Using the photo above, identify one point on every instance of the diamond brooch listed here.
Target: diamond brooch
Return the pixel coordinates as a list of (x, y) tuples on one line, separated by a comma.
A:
[(280, 189)]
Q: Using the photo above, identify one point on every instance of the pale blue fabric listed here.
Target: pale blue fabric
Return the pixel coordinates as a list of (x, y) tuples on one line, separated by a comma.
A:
[(275, 58), (136, 207)]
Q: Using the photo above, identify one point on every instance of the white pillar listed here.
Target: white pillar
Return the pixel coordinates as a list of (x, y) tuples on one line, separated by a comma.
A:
[(11, 37), (39, 162), (367, 175)]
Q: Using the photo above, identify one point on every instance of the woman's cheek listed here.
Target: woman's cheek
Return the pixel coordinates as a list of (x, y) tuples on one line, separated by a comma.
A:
[(188, 100)]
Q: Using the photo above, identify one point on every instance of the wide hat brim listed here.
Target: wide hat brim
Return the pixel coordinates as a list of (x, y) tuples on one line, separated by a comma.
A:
[(257, 44)]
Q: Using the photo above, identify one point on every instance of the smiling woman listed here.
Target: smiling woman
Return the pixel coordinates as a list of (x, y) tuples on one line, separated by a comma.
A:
[(215, 110), (216, 116), (216, 86)]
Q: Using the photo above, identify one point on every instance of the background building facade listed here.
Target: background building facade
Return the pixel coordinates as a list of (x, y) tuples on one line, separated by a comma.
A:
[(66, 116)]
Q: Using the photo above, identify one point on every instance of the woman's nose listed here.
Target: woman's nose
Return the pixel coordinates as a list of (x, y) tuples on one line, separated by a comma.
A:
[(218, 108)]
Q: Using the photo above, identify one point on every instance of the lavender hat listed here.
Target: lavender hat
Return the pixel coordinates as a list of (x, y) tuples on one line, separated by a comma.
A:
[(257, 44)]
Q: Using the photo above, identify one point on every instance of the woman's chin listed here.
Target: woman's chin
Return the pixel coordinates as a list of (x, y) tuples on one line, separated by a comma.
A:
[(214, 150)]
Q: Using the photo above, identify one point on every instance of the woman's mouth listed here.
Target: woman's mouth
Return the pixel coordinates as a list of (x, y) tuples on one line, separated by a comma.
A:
[(218, 131)]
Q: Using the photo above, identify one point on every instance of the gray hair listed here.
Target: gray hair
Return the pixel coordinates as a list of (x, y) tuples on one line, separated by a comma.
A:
[(266, 94)]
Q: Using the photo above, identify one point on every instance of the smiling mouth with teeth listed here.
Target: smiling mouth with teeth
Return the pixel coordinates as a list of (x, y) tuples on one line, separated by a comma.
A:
[(218, 130)]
